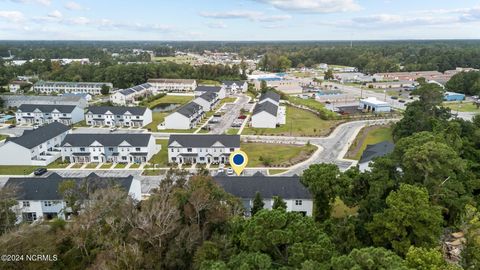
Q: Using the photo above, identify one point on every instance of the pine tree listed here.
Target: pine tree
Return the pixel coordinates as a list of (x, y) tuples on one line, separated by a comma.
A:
[(279, 203), (257, 203)]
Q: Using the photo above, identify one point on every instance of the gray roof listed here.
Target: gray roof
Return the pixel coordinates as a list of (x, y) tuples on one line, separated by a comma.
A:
[(135, 89), (208, 96), (229, 83), (117, 110), (36, 189), (46, 108), (205, 140), (266, 106), (189, 109), (287, 187), (270, 94), (376, 150), (107, 139), (35, 137), (206, 88)]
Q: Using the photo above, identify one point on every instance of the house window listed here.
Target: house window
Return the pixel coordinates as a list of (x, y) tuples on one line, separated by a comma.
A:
[(26, 204), (82, 149), (298, 202), (232, 149), (124, 158), (47, 203), (137, 149), (29, 217), (110, 149), (95, 158), (189, 150), (202, 158)]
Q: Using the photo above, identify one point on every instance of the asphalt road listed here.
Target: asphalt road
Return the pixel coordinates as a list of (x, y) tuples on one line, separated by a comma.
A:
[(231, 113)]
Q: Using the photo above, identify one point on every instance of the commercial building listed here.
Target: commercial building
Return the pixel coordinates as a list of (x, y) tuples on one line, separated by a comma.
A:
[(130, 95), (186, 117), (31, 114), (267, 112), (39, 199), (290, 189), (38, 147), (92, 88), (372, 104), (452, 96), (118, 116), (395, 84), (173, 85), (203, 149), (108, 147)]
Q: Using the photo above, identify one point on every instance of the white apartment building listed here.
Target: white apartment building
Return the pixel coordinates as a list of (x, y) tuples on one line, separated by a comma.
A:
[(92, 88), (37, 147), (118, 116), (267, 112), (130, 95), (289, 188), (173, 85), (208, 101), (204, 149), (108, 147), (30, 114), (234, 87), (202, 89), (15, 86), (186, 117), (38, 199)]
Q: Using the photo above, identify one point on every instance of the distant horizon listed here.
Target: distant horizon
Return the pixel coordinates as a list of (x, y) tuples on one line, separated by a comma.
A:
[(218, 40)]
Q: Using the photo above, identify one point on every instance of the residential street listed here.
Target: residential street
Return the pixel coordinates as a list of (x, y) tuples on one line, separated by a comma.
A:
[(230, 115)]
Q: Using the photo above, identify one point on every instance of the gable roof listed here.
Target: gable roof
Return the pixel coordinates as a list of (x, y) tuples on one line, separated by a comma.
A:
[(206, 88), (107, 139), (164, 80), (266, 107), (270, 94), (117, 110), (287, 187), (135, 89), (231, 141), (47, 188), (189, 109), (32, 138), (46, 108), (229, 83), (376, 150), (208, 96)]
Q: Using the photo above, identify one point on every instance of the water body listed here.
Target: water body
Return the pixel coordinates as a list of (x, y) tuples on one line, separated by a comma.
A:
[(165, 107)]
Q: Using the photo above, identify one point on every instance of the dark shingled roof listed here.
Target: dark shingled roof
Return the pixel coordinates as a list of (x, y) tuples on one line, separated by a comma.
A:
[(32, 138), (205, 140), (376, 150), (39, 189), (287, 187), (270, 94), (229, 83), (107, 139), (45, 108), (266, 106), (189, 109), (208, 96), (117, 110), (205, 88)]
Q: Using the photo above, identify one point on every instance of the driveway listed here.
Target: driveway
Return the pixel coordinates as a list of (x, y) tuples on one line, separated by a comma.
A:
[(231, 113)]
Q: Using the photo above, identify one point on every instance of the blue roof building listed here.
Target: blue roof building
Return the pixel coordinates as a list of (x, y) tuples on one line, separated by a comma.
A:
[(452, 96)]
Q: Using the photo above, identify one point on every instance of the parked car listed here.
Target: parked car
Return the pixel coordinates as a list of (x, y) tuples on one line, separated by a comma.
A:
[(112, 129), (12, 126), (35, 126), (40, 171), (242, 117), (401, 101), (220, 170), (229, 171), (394, 97)]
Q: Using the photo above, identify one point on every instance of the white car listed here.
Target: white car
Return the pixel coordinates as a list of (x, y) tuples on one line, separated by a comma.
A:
[(112, 129), (36, 126), (229, 171), (220, 170)]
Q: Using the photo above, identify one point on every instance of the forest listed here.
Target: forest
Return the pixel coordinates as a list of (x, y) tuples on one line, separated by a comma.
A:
[(406, 205)]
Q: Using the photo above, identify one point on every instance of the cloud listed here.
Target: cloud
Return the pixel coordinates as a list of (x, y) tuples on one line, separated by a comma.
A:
[(55, 14), (12, 16), (41, 2), (245, 14), (313, 6), (73, 6), (108, 25), (78, 21), (217, 25)]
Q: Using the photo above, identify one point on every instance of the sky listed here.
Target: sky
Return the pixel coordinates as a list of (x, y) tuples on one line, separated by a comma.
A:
[(239, 19)]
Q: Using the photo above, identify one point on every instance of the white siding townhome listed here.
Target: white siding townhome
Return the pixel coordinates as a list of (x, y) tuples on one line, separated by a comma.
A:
[(129, 96), (202, 89), (203, 149), (108, 147), (41, 114), (268, 113), (208, 101), (289, 188), (15, 86), (173, 85), (186, 117), (234, 87), (118, 116), (92, 88), (38, 199), (37, 147)]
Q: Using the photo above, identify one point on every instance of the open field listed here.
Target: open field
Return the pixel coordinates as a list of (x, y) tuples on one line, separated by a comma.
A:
[(368, 135), (299, 123), (275, 155), (461, 106), (16, 170), (314, 105)]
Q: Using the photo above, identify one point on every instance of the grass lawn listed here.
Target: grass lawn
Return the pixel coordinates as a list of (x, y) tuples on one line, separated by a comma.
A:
[(341, 210), (269, 155), (121, 166), (106, 166), (299, 123), (157, 118), (92, 165), (209, 82), (153, 172), (232, 131), (16, 170), (168, 99), (461, 106), (58, 164), (276, 171), (135, 166), (312, 104), (160, 158), (368, 135), (77, 166), (80, 124), (3, 137), (177, 130)]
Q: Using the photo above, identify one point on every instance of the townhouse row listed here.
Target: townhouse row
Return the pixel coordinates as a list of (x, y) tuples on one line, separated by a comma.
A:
[(92, 88), (267, 112)]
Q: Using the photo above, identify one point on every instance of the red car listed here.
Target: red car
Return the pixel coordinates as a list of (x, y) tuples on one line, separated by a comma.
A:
[(242, 117)]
